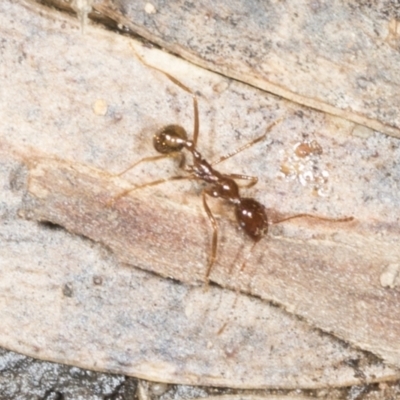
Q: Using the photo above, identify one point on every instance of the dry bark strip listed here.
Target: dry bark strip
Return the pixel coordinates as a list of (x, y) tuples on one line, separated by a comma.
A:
[(71, 302), (334, 273)]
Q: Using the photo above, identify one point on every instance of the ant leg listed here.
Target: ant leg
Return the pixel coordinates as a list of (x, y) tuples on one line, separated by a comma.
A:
[(196, 121), (253, 179), (214, 243), (149, 184), (344, 219), (237, 291), (249, 144), (182, 86), (152, 158)]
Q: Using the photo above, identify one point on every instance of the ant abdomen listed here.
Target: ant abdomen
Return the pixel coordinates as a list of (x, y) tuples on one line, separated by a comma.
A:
[(170, 139), (252, 218)]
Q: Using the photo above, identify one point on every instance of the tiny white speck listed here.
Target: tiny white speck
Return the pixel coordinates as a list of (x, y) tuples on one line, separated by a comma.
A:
[(100, 107), (390, 276), (149, 8)]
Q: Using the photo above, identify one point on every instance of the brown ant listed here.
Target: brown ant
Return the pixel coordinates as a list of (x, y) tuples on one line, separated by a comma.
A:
[(251, 215)]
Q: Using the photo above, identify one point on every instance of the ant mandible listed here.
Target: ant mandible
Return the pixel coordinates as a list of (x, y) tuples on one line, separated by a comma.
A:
[(251, 215)]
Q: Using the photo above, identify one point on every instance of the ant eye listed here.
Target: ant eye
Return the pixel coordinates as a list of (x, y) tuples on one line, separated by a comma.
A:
[(167, 140), (252, 218)]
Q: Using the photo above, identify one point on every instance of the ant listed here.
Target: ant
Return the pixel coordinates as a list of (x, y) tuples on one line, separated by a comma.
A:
[(251, 215)]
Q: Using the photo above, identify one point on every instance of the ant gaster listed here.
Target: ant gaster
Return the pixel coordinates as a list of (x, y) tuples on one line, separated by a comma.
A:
[(250, 214)]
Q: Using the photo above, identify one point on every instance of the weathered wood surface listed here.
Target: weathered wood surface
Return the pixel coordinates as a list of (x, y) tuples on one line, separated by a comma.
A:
[(71, 301), (76, 109), (336, 56)]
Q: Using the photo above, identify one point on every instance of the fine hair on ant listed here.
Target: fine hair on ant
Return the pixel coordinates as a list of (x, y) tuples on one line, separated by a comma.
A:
[(251, 216)]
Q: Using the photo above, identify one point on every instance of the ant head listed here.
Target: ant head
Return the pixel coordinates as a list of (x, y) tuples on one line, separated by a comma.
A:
[(169, 139), (252, 218)]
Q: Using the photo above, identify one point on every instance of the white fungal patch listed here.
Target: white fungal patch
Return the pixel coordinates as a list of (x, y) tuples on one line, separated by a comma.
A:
[(303, 164)]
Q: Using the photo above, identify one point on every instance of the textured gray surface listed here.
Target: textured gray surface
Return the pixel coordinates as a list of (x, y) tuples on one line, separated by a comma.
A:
[(23, 378)]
